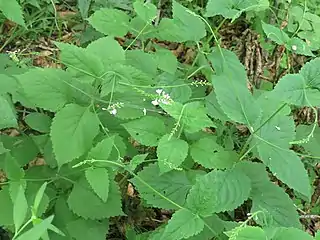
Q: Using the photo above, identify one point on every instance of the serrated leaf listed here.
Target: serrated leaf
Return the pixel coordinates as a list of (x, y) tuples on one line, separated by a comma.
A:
[(137, 160), (80, 59), (311, 73), (183, 224), (97, 209), (103, 149), (247, 233), (7, 112), (82, 229), (39, 196), (45, 88), (166, 60), (84, 6), (211, 155), (20, 208), (312, 146), (273, 147), (6, 208), (275, 34), (214, 109), (37, 231), (291, 233), (110, 22), (171, 153), (147, 130), (219, 191), (12, 168), (298, 46), (12, 10), (39, 122), (231, 90), (72, 132), (142, 61), (98, 178), (145, 10), (191, 116), (234, 8), (174, 185)]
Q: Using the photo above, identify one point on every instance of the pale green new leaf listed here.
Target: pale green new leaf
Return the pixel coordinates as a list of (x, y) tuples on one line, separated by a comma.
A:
[(183, 224), (292, 234), (110, 22), (91, 206), (273, 147), (39, 122), (211, 155), (20, 208), (79, 59), (145, 10), (171, 153), (275, 34), (46, 88), (37, 231), (72, 132), (12, 10), (234, 8), (147, 130), (98, 178), (7, 113), (219, 191), (247, 233), (173, 185)]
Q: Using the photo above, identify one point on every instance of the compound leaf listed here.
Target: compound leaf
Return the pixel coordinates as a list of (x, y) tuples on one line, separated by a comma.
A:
[(98, 178), (72, 132)]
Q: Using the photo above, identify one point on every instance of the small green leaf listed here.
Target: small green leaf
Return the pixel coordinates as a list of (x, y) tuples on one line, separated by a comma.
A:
[(72, 132), (311, 73), (137, 160), (214, 109), (39, 197), (312, 146), (37, 231), (110, 22), (98, 178), (275, 34), (145, 10), (103, 149), (166, 60), (171, 153), (147, 130), (298, 46), (84, 6), (183, 224), (12, 10), (12, 168), (39, 122), (6, 208), (20, 208), (7, 112)]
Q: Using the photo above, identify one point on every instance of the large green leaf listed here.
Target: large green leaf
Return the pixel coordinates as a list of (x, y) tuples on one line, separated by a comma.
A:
[(72, 132), (7, 113), (219, 191), (183, 224), (12, 10), (147, 130), (98, 178), (171, 153), (173, 185), (214, 109)]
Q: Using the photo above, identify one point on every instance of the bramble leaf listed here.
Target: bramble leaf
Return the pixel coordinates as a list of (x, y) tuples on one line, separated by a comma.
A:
[(219, 191), (183, 224), (72, 132), (98, 178), (171, 153), (174, 185)]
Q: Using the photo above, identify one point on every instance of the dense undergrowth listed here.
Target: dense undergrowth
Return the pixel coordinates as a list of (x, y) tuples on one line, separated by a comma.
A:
[(160, 120)]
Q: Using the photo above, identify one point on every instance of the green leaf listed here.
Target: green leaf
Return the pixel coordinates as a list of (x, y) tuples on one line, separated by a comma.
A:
[(231, 90), (219, 191), (8, 84), (191, 116), (6, 208), (51, 83), (20, 209), (81, 229), (147, 130), (7, 112), (166, 60), (275, 34), (103, 149), (273, 147), (72, 132), (80, 59), (298, 46), (136, 161), (292, 234), (247, 233), (84, 6), (312, 146), (214, 109), (91, 206), (3, 149), (145, 10), (37, 231), (211, 155), (39, 122), (311, 73), (171, 153), (173, 185), (183, 224), (98, 178), (234, 8), (12, 10), (12, 168), (142, 61), (293, 89), (110, 22), (39, 197)]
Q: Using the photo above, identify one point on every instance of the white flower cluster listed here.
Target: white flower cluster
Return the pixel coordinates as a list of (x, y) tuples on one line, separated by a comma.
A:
[(113, 108), (163, 98)]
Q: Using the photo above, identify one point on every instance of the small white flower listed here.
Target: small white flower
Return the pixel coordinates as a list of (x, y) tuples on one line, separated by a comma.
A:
[(155, 102), (159, 91), (166, 96), (113, 111), (294, 48), (144, 99), (144, 111), (104, 109), (165, 102)]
